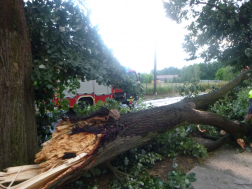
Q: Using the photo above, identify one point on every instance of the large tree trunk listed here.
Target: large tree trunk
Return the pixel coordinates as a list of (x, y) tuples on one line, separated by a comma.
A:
[(18, 136)]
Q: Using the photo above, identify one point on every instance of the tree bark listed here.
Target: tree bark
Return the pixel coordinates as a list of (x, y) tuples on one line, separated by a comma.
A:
[(18, 140)]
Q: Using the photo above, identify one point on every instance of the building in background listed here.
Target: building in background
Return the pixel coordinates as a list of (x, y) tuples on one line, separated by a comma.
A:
[(166, 77)]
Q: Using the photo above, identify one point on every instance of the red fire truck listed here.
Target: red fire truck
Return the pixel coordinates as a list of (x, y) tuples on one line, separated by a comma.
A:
[(90, 92)]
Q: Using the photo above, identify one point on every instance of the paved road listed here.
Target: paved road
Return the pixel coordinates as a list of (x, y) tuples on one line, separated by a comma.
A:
[(226, 169), (164, 101)]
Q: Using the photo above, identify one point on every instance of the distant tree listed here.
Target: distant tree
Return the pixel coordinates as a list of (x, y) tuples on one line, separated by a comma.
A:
[(174, 80), (225, 74), (208, 70), (219, 74), (190, 73), (168, 71), (146, 78), (151, 77)]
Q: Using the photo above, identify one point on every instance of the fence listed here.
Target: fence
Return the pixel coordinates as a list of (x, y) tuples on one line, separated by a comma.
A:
[(209, 81)]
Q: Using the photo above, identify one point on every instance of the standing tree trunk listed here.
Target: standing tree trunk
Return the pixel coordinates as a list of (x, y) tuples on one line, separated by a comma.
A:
[(18, 138)]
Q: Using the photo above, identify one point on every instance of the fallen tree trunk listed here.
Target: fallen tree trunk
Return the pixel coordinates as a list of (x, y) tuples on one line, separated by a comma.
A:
[(112, 137)]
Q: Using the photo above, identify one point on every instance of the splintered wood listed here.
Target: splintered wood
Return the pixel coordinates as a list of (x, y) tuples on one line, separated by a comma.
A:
[(73, 142), (63, 142), (74, 137)]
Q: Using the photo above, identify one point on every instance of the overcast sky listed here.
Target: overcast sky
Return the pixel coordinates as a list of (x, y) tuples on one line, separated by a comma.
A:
[(132, 28)]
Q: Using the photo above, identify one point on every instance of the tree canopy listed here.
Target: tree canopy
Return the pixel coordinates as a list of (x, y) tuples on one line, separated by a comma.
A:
[(146, 78), (225, 74), (208, 70), (168, 71), (190, 73), (221, 28), (65, 45)]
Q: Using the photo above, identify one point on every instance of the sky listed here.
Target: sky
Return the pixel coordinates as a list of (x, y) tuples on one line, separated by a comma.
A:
[(133, 28)]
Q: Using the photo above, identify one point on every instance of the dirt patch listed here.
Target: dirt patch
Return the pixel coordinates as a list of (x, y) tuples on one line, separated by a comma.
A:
[(185, 164), (160, 170)]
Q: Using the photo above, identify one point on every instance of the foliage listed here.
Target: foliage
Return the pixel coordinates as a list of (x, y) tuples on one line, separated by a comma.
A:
[(109, 104), (178, 179), (166, 89), (210, 130), (46, 114), (176, 80), (65, 46), (225, 74), (183, 88), (190, 89), (140, 105), (146, 78), (221, 28), (190, 73), (168, 71), (171, 143), (234, 105), (136, 161), (145, 181), (65, 42), (208, 70), (219, 74), (175, 142)]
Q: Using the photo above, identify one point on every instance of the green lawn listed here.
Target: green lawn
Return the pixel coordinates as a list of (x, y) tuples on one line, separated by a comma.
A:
[(165, 88)]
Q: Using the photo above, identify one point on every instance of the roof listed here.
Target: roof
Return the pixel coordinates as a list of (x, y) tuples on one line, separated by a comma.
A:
[(166, 76)]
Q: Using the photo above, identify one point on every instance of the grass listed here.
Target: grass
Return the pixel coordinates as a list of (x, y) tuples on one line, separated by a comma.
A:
[(170, 88)]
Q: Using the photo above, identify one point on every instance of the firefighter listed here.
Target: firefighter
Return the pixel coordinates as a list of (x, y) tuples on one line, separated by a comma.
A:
[(249, 115)]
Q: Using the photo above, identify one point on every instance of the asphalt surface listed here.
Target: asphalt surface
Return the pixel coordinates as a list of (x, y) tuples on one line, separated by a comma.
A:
[(164, 101), (226, 169)]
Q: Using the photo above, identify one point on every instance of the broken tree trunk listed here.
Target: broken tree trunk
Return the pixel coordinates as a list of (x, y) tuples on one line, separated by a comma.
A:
[(110, 137)]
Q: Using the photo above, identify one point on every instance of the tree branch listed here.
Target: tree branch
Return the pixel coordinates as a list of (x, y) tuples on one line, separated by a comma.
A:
[(211, 5), (204, 100)]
